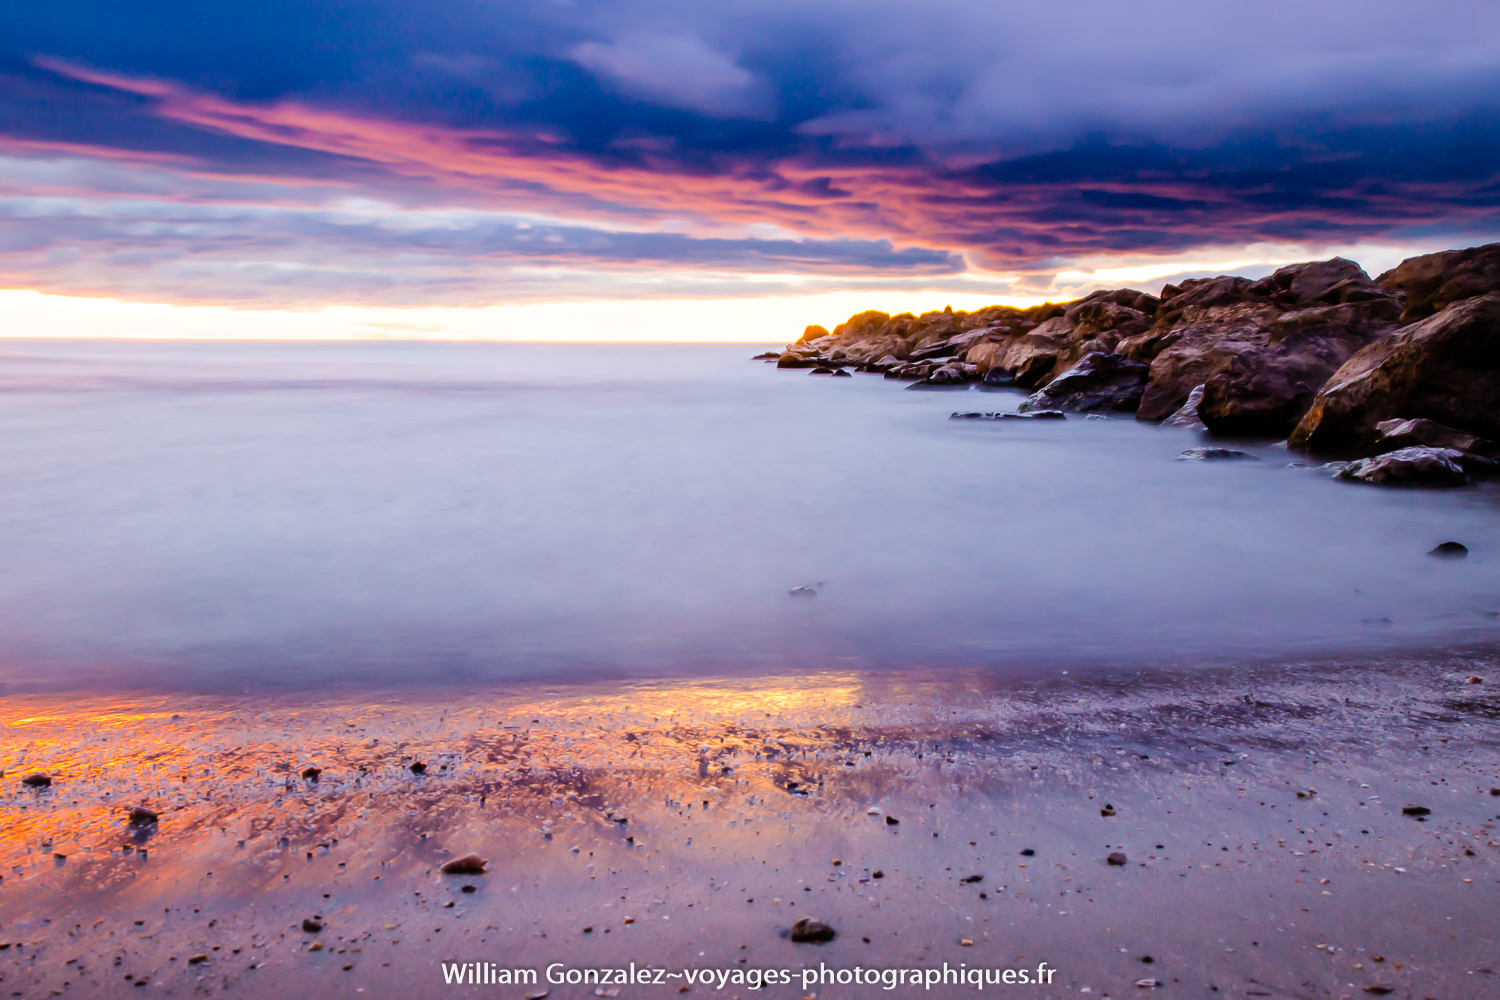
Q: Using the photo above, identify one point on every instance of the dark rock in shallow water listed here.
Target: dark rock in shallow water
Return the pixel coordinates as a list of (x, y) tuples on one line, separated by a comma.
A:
[(803, 592), (1033, 415), (1214, 455), (810, 931), (820, 370), (768, 356), (790, 360), (999, 378), (1410, 467), (1445, 368), (841, 372), (37, 781), (1450, 550), (1099, 381), (1394, 434)]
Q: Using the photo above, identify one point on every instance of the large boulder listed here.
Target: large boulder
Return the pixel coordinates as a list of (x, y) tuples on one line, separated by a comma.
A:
[(1327, 281), (1099, 381), (1264, 390), (1435, 281), (1445, 368)]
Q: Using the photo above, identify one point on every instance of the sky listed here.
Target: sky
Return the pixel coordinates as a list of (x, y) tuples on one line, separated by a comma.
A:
[(654, 169)]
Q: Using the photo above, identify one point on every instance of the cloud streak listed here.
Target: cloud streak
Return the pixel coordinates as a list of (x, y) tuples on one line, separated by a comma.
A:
[(457, 153)]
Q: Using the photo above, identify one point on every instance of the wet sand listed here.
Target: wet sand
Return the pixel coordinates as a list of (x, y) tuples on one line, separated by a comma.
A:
[(688, 825)]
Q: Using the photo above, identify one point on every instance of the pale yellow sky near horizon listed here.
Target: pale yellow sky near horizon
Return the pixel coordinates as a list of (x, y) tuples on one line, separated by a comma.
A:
[(768, 319)]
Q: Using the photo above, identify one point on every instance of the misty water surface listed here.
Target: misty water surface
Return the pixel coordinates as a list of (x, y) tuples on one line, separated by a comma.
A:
[(214, 516)]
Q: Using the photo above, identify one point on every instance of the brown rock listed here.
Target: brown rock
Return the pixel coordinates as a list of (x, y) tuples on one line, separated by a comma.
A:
[(1116, 858), (1393, 434), (37, 781), (1098, 381), (469, 864), (1435, 281), (810, 931), (141, 816), (1410, 467), (1445, 368)]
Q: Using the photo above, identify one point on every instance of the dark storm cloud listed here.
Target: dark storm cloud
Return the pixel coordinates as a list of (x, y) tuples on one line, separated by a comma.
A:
[(754, 137)]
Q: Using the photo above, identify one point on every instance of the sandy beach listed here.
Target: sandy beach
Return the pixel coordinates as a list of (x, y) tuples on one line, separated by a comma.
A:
[(685, 826)]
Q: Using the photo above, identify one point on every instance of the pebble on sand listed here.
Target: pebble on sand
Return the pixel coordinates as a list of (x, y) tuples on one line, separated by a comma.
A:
[(1116, 858), (141, 816), (37, 780), (1450, 550), (311, 925), (891, 821), (1415, 811), (469, 864), (810, 931), (311, 773), (1473, 679)]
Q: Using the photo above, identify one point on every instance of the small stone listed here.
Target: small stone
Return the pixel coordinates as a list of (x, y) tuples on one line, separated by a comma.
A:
[(315, 946), (141, 816), (1450, 550), (1495, 792), (418, 768), (841, 373), (37, 781), (1379, 991), (1147, 984), (1473, 679), (311, 773), (1415, 811), (810, 931), (1028, 853), (197, 960), (1108, 810), (311, 925), (1215, 455), (1116, 858), (974, 878), (965, 942), (589, 929), (891, 821), (469, 864), (877, 873), (803, 592), (537, 996)]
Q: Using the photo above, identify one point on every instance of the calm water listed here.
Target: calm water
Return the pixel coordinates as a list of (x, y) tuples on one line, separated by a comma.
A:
[(238, 516)]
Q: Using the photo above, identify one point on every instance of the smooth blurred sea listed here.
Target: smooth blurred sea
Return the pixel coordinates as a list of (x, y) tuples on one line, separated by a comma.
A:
[(222, 517)]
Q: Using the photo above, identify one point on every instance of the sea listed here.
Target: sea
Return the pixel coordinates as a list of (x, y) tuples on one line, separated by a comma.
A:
[(279, 516)]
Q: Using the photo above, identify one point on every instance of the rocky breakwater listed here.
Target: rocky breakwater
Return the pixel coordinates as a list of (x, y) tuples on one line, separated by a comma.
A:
[(1317, 352)]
